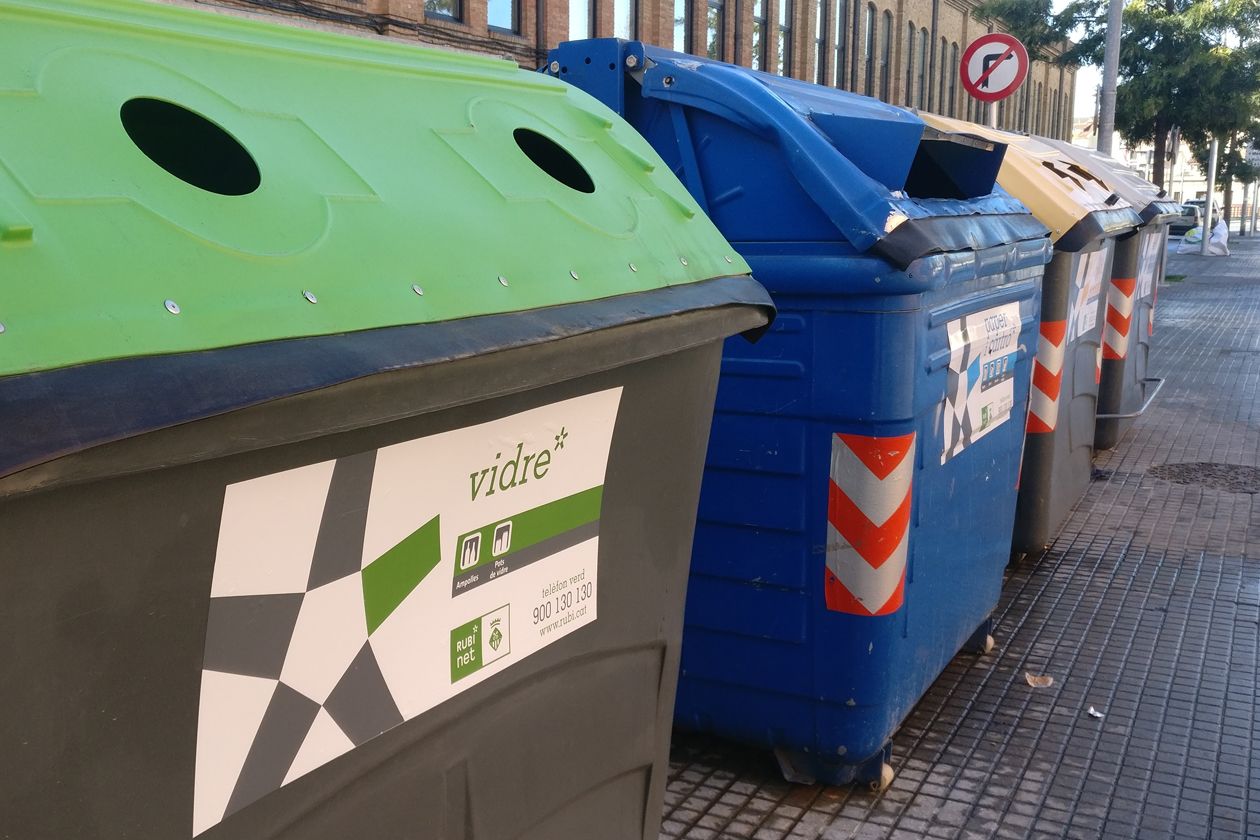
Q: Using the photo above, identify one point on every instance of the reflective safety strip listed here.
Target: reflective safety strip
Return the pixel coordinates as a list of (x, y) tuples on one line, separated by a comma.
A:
[(868, 523), (1043, 403), (1115, 339)]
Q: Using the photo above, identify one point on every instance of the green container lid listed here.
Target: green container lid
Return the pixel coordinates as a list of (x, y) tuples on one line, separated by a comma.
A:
[(174, 180)]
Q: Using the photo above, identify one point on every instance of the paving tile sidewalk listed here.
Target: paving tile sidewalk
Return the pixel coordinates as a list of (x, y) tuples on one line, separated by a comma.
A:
[(1147, 607)]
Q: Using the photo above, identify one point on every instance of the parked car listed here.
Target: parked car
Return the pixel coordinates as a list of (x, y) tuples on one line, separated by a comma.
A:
[(1197, 205), (1190, 217)]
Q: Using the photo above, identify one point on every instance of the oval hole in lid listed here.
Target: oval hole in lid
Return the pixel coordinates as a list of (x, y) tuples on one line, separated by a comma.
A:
[(552, 158), (190, 147)]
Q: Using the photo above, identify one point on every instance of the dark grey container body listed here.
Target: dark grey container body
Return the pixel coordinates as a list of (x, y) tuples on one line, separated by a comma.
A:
[(108, 560), (1059, 446), (1137, 269)]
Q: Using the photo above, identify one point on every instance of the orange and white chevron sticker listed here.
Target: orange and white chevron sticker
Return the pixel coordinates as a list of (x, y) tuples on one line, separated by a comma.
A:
[(868, 523), (1115, 337), (1047, 379)]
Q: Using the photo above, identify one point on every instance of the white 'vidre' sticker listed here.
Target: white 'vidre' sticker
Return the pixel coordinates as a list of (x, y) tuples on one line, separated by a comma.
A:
[(352, 595)]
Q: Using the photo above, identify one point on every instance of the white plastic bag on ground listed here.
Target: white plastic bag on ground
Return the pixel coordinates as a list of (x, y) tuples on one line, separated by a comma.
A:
[(1218, 242), (1190, 243)]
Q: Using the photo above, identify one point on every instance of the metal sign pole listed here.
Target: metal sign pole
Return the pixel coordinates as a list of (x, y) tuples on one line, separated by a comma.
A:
[(1111, 65), (1174, 143), (1207, 200), (1242, 216), (1255, 205)]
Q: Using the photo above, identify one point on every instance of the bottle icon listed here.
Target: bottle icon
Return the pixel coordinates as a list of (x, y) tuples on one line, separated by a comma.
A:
[(470, 552), (502, 539)]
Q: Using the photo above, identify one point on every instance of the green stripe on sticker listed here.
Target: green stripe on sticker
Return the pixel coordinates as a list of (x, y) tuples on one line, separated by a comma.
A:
[(507, 536), (390, 578)]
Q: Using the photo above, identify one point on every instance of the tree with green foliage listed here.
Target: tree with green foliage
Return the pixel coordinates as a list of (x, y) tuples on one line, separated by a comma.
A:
[(1175, 71), (1041, 30), (1231, 164)]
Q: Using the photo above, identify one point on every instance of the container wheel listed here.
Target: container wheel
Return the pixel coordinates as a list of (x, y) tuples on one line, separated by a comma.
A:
[(885, 778)]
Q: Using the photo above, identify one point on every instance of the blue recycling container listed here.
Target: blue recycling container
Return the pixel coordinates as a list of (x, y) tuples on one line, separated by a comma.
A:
[(859, 492)]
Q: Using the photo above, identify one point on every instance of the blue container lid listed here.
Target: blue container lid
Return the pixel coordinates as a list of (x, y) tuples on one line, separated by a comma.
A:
[(777, 159)]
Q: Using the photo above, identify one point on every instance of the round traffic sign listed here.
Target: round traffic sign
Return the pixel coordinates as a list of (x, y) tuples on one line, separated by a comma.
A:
[(993, 66)]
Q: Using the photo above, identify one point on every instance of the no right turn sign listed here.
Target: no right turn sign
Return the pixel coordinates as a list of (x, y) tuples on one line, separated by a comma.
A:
[(993, 67)]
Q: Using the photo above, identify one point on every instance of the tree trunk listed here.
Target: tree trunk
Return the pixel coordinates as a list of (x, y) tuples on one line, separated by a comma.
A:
[(1161, 149), (1227, 177)]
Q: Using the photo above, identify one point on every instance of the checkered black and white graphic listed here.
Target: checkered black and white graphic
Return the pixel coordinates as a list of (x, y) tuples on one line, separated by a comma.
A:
[(290, 679), (962, 377)]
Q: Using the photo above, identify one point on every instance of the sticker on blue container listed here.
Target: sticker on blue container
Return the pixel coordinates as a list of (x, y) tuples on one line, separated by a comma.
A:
[(980, 391)]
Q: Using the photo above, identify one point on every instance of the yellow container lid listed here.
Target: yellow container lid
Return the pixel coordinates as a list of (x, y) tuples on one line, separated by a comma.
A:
[(1152, 203), (1076, 205)]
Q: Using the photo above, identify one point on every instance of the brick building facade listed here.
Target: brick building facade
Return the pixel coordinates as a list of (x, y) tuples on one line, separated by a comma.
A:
[(901, 51)]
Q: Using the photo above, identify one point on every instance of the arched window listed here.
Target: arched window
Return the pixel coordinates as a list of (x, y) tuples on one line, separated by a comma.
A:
[(682, 25), (885, 59), (580, 19), (715, 30), (784, 67), (625, 19), (1037, 125), (911, 32), (922, 102), (758, 58), (839, 42), (868, 52), (820, 43), (503, 15), (451, 10), (943, 81), (953, 80)]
